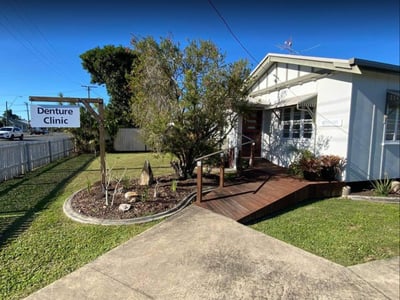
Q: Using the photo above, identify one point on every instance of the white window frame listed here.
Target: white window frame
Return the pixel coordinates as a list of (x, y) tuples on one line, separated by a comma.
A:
[(392, 118), (295, 122)]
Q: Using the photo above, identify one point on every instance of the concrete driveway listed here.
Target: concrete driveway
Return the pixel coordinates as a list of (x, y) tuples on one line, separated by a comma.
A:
[(197, 254)]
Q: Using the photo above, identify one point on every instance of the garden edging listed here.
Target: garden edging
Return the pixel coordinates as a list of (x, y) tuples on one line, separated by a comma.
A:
[(72, 214)]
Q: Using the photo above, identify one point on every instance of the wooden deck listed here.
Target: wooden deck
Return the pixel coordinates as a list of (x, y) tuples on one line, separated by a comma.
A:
[(262, 191)]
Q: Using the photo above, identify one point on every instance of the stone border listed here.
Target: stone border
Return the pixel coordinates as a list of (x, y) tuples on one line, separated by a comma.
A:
[(72, 214), (374, 198)]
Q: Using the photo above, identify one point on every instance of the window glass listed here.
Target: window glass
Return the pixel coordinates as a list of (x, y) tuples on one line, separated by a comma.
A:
[(307, 133), (307, 115), (392, 132), (286, 114), (286, 130), (297, 115), (296, 131)]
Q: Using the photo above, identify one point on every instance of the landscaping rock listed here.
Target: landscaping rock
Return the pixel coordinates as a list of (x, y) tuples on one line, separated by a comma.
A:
[(124, 207), (146, 177), (130, 195), (395, 188)]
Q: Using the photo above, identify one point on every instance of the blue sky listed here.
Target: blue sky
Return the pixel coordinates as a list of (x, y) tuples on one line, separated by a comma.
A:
[(40, 41)]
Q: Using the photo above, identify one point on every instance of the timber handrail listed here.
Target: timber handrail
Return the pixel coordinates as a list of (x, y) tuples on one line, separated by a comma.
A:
[(209, 155), (199, 166)]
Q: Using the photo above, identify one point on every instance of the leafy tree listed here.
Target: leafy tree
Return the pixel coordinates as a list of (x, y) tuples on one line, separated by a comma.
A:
[(185, 101), (110, 65), (8, 115)]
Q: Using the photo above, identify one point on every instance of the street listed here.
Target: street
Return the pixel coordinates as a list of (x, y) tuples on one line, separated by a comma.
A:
[(28, 138)]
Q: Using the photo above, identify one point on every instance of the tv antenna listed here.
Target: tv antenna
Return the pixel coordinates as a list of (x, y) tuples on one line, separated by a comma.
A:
[(288, 46)]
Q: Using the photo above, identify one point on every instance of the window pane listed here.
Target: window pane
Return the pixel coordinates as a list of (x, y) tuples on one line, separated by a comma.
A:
[(307, 131), (396, 133), (286, 114), (297, 115), (392, 121), (286, 131), (296, 131), (389, 129), (307, 115), (392, 117)]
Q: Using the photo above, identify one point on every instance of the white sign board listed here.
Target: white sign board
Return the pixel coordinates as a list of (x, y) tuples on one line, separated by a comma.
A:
[(63, 116), (331, 123)]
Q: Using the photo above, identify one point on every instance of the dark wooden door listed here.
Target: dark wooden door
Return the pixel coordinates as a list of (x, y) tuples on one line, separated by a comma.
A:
[(252, 128)]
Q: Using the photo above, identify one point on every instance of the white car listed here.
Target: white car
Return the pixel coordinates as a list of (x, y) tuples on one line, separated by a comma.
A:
[(11, 132)]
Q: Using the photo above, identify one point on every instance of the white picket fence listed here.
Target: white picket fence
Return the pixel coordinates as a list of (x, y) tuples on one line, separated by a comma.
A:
[(22, 157)]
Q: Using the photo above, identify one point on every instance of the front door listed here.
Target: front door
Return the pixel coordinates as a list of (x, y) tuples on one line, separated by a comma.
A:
[(252, 128)]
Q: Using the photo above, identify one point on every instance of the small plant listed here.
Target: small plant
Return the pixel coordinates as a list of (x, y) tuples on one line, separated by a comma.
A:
[(118, 182), (382, 187), (145, 195), (174, 185), (110, 178), (126, 182), (88, 186)]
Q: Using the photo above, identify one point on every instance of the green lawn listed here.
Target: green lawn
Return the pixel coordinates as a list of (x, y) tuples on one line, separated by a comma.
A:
[(38, 243), (344, 231)]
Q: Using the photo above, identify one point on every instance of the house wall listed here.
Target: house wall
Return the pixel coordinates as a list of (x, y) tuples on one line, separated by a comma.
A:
[(369, 157), (332, 116)]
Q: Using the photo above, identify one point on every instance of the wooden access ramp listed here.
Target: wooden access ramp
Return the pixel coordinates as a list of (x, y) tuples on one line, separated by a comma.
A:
[(264, 190)]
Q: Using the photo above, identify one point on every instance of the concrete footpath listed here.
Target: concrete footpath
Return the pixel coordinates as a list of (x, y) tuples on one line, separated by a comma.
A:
[(197, 254)]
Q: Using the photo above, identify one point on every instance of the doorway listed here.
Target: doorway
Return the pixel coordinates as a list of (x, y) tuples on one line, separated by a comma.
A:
[(252, 125)]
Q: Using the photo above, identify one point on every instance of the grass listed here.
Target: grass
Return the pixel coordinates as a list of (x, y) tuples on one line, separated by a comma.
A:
[(344, 231), (38, 243)]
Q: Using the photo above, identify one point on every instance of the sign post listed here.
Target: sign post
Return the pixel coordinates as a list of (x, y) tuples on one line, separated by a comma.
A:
[(66, 116)]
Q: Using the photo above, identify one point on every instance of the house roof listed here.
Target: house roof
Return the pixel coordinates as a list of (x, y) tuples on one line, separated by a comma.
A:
[(352, 65)]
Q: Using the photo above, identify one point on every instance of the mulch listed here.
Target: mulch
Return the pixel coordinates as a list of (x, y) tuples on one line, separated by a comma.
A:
[(159, 197)]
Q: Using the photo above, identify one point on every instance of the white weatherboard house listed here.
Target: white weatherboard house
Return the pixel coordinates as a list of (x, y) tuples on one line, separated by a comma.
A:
[(344, 107)]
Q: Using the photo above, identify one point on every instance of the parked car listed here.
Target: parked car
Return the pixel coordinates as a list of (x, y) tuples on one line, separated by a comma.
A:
[(11, 132), (39, 130)]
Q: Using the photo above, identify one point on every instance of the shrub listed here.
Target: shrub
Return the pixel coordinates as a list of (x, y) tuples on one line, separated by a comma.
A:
[(331, 166), (311, 167), (303, 161)]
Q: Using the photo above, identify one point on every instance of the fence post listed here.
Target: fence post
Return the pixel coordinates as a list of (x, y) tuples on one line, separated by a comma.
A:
[(199, 172), (50, 154), (251, 160), (221, 171), (22, 166), (28, 158)]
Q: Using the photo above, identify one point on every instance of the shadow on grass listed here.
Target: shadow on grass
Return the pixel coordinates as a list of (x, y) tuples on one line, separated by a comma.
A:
[(283, 211), (36, 191)]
